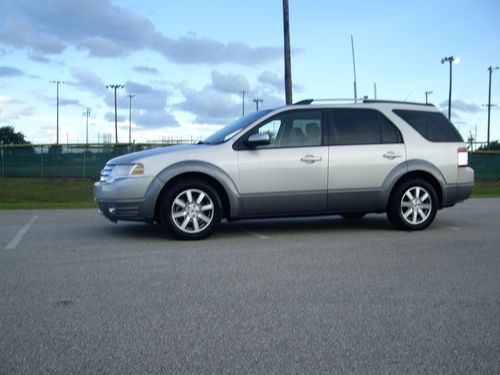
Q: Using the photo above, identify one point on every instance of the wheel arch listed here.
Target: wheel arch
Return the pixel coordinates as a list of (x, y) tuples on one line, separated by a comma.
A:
[(412, 169), (423, 175), (219, 188), (210, 173)]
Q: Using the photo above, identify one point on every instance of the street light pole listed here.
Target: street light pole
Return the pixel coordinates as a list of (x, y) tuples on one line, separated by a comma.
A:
[(57, 110), (450, 59), (427, 93), (115, 87), (490, 69), (87, 113), (130, 96), (256, 101), (243, 92)]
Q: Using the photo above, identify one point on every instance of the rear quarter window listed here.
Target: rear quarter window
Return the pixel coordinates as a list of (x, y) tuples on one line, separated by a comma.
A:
[(433, 126)]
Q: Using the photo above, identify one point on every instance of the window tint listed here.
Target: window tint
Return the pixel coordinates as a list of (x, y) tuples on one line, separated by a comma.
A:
[(433, 126), (362, 126), (292, 129)]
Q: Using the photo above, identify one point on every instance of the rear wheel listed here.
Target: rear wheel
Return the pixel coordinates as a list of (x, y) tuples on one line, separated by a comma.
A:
[(413, 205), (191, 210)]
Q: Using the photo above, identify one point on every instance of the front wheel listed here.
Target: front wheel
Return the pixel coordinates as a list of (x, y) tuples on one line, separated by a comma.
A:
[(413, 205), (191, 210)]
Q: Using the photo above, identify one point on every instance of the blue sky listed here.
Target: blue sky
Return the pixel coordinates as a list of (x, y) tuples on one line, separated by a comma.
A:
[(186, 61)]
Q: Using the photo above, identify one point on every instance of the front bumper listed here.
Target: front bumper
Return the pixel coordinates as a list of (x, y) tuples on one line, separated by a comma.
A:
[(122, 200), (126, 211)]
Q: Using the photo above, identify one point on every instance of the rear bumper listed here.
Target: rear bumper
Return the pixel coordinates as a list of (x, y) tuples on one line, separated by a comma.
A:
[(457, 194), (462, 190)]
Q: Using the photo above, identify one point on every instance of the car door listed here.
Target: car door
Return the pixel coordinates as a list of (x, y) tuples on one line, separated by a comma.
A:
[(365, 148), (288, 175)]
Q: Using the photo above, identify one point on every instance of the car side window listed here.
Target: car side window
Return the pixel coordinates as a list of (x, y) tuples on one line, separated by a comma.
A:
[(362, 126), (292, 129)]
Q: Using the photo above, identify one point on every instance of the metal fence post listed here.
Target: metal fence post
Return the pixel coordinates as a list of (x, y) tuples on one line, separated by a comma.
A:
[(41, 161), (84, 161), (3, 163)]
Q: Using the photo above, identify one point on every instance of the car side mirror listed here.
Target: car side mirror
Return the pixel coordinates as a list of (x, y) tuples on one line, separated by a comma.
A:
[(259, 139)]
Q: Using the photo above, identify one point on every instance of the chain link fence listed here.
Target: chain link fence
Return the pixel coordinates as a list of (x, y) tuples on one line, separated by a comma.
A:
[(486, 164), (86, 161), (75, 161)]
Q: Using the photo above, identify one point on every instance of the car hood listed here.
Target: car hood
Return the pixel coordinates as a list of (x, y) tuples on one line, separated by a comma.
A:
[(135, 157)]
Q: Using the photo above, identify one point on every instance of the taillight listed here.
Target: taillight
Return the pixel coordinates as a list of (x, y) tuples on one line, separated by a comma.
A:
[(463, 157)]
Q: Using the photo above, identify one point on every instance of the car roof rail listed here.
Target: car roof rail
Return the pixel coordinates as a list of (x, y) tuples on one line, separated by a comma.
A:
[(396, 102), (310, 101), (360, 100)]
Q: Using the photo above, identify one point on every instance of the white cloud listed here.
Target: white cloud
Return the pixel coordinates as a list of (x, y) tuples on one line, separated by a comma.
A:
[(7, 71), (460, 106), (220, 102), (229, 83), (51, 26), (88, 81), (101, 47), (272, 79), (208, 105), (146, 70), (110, 116), (66, 102)]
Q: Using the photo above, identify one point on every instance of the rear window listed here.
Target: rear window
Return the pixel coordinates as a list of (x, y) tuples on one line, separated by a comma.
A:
[(433, 126)]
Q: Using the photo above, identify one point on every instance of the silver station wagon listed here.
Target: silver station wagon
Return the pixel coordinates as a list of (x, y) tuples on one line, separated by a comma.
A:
[(311, 158)]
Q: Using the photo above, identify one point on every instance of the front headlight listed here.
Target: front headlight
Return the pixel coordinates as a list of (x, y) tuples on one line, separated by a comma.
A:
[(113, 172)]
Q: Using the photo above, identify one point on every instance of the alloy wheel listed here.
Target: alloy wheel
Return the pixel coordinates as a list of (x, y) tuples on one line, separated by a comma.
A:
[(416, 205), (192, 211)]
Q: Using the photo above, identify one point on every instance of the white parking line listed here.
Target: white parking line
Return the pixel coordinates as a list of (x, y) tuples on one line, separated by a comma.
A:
[(19, 236)]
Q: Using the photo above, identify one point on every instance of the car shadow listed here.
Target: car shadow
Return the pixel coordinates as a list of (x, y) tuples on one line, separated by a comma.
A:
[(307, 225), (137, 231)]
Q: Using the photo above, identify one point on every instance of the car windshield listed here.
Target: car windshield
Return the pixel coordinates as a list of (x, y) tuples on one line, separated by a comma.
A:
[(229, 131)]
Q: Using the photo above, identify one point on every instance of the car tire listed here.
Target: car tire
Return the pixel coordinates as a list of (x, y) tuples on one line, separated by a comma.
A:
[(191, 210), (413, 205)]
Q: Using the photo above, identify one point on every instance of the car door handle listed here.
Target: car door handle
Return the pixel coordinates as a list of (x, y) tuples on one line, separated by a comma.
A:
[(391, 155), (310, 159)]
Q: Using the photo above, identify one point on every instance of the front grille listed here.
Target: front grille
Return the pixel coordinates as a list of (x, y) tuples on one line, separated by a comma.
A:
[(106, 172)]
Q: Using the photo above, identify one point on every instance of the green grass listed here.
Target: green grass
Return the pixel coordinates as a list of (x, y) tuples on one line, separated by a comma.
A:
[(37, 193), (484, 189)]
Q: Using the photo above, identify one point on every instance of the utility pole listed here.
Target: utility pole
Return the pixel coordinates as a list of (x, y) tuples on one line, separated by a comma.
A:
[(243, 92), (427, 93), (130, 96), (288, 63), (87, 113), (256, 101), (115, 87), (57, 110), (490, 69), (450, 59)]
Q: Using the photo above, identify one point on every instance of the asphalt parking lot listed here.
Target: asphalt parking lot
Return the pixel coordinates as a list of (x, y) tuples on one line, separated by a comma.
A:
[(79, 294)]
